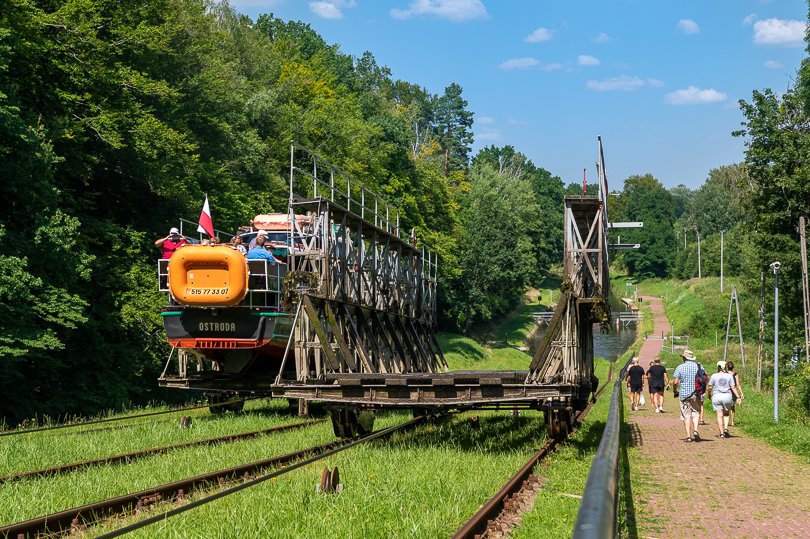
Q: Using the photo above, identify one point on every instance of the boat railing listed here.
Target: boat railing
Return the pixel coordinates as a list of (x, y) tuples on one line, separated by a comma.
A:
[(265, 283)]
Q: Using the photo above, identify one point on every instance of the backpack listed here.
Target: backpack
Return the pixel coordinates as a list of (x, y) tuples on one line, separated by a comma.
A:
[(701, 380)]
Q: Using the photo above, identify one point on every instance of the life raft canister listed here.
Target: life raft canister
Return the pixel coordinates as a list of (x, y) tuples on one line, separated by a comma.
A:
[(208, 276)]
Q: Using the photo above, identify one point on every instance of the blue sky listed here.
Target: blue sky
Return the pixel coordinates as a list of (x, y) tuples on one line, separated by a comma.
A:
[(659, 80)]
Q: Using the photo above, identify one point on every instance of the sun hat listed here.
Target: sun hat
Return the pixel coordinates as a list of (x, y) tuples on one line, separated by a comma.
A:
[(721, 364), (688, 354), (174, 230), (635, 359)]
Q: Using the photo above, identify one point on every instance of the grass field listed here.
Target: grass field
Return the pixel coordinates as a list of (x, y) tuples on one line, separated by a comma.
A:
[(425, 483)]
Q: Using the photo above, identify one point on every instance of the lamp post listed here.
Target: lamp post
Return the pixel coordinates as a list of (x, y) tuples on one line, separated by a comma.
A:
[(775, 267)]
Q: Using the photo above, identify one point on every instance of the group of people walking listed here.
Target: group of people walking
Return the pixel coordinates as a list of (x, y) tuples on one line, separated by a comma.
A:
[(689, 386)]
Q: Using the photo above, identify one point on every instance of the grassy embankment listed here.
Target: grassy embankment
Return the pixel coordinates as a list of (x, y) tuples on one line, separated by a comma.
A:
[(699, 310)]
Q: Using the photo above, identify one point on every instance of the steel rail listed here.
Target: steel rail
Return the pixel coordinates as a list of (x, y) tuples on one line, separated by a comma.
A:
[(129, 457), (495, 505), (78, 517), (599, 507), (123, 418)]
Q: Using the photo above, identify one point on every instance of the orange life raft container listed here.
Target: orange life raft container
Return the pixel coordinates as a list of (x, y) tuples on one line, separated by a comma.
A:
[(208, 276)]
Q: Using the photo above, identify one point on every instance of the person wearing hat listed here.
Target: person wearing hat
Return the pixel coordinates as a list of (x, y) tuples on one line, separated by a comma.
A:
[(259, 234), (723, 392), (635, 381), (683, 380), (170, 243)]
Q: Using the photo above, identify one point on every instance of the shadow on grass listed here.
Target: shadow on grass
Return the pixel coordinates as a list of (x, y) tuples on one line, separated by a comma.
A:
[(627, 508), (491, 434), (457, 344)]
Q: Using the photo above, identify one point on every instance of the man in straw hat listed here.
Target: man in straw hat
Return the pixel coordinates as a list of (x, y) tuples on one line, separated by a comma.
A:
[(683, 380)]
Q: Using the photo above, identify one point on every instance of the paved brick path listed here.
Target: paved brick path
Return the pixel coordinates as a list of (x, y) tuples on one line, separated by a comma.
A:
[(736, 487)]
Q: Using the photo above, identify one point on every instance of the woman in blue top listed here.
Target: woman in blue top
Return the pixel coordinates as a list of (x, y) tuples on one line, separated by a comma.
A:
[(723, 392)]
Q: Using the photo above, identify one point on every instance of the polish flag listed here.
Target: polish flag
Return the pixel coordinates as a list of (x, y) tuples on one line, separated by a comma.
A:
[(206, 224)]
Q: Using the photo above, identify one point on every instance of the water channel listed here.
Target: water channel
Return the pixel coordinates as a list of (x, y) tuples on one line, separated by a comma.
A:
[(608, 344)]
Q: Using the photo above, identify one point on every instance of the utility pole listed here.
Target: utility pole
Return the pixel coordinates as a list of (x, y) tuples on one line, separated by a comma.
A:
[(761, 328), (775, 266), (698, 239), (735, 300), (721, 266), (805, 292)]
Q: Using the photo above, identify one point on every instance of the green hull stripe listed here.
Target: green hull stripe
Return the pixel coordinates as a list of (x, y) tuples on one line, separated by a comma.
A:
[(171, 313)]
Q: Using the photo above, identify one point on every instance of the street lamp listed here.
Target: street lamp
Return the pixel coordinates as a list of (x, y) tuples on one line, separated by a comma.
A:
[(775, 267)]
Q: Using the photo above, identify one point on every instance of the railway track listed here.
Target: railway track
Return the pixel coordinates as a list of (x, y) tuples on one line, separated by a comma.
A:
[(488, 518), (129, 457), (79, 518), (115, 419)]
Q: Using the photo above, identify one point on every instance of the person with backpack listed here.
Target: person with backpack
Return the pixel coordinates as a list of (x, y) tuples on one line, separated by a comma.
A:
[(686, 377), (723, 393)]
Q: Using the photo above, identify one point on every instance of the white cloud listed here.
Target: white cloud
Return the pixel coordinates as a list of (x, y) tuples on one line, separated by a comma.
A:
[(602, 38), (489, 135), (486, 120), (453, 10), (688, 26), (552, 67), (779, 32), (515, 121), (750, 19), (586, 60), (621, 84), (541, 34), (694, 96), (519, 63), (773, 64), (330, 9)]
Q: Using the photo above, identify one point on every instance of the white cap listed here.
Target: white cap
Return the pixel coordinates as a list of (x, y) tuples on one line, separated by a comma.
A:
[(174, 230), (261, 233)]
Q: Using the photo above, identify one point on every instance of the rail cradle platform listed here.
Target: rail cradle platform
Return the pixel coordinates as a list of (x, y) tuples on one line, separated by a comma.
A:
[(452, 388), (350, 318)]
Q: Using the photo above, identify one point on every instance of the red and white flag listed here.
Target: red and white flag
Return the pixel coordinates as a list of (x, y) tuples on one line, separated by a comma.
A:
[(206, 224)]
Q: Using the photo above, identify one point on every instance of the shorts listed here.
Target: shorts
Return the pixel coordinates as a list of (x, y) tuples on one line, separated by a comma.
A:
[(635, 389), (656, 389), (722, 401), (691, 406)]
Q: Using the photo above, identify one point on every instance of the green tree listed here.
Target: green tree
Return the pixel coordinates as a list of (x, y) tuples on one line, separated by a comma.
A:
[(497, 256), (454, 128), (645, 199)]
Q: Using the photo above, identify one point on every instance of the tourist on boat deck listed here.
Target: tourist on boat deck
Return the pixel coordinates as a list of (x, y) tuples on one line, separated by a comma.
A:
[(259, 252), (252, 243), (236, 243), (170, 243)]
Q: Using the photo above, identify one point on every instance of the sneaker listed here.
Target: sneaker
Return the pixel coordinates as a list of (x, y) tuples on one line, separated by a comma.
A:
[(726, 434)]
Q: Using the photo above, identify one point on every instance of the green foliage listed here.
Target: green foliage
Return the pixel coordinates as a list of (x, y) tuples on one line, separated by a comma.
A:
[(498, 218), (116, 119), (645, 199)]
